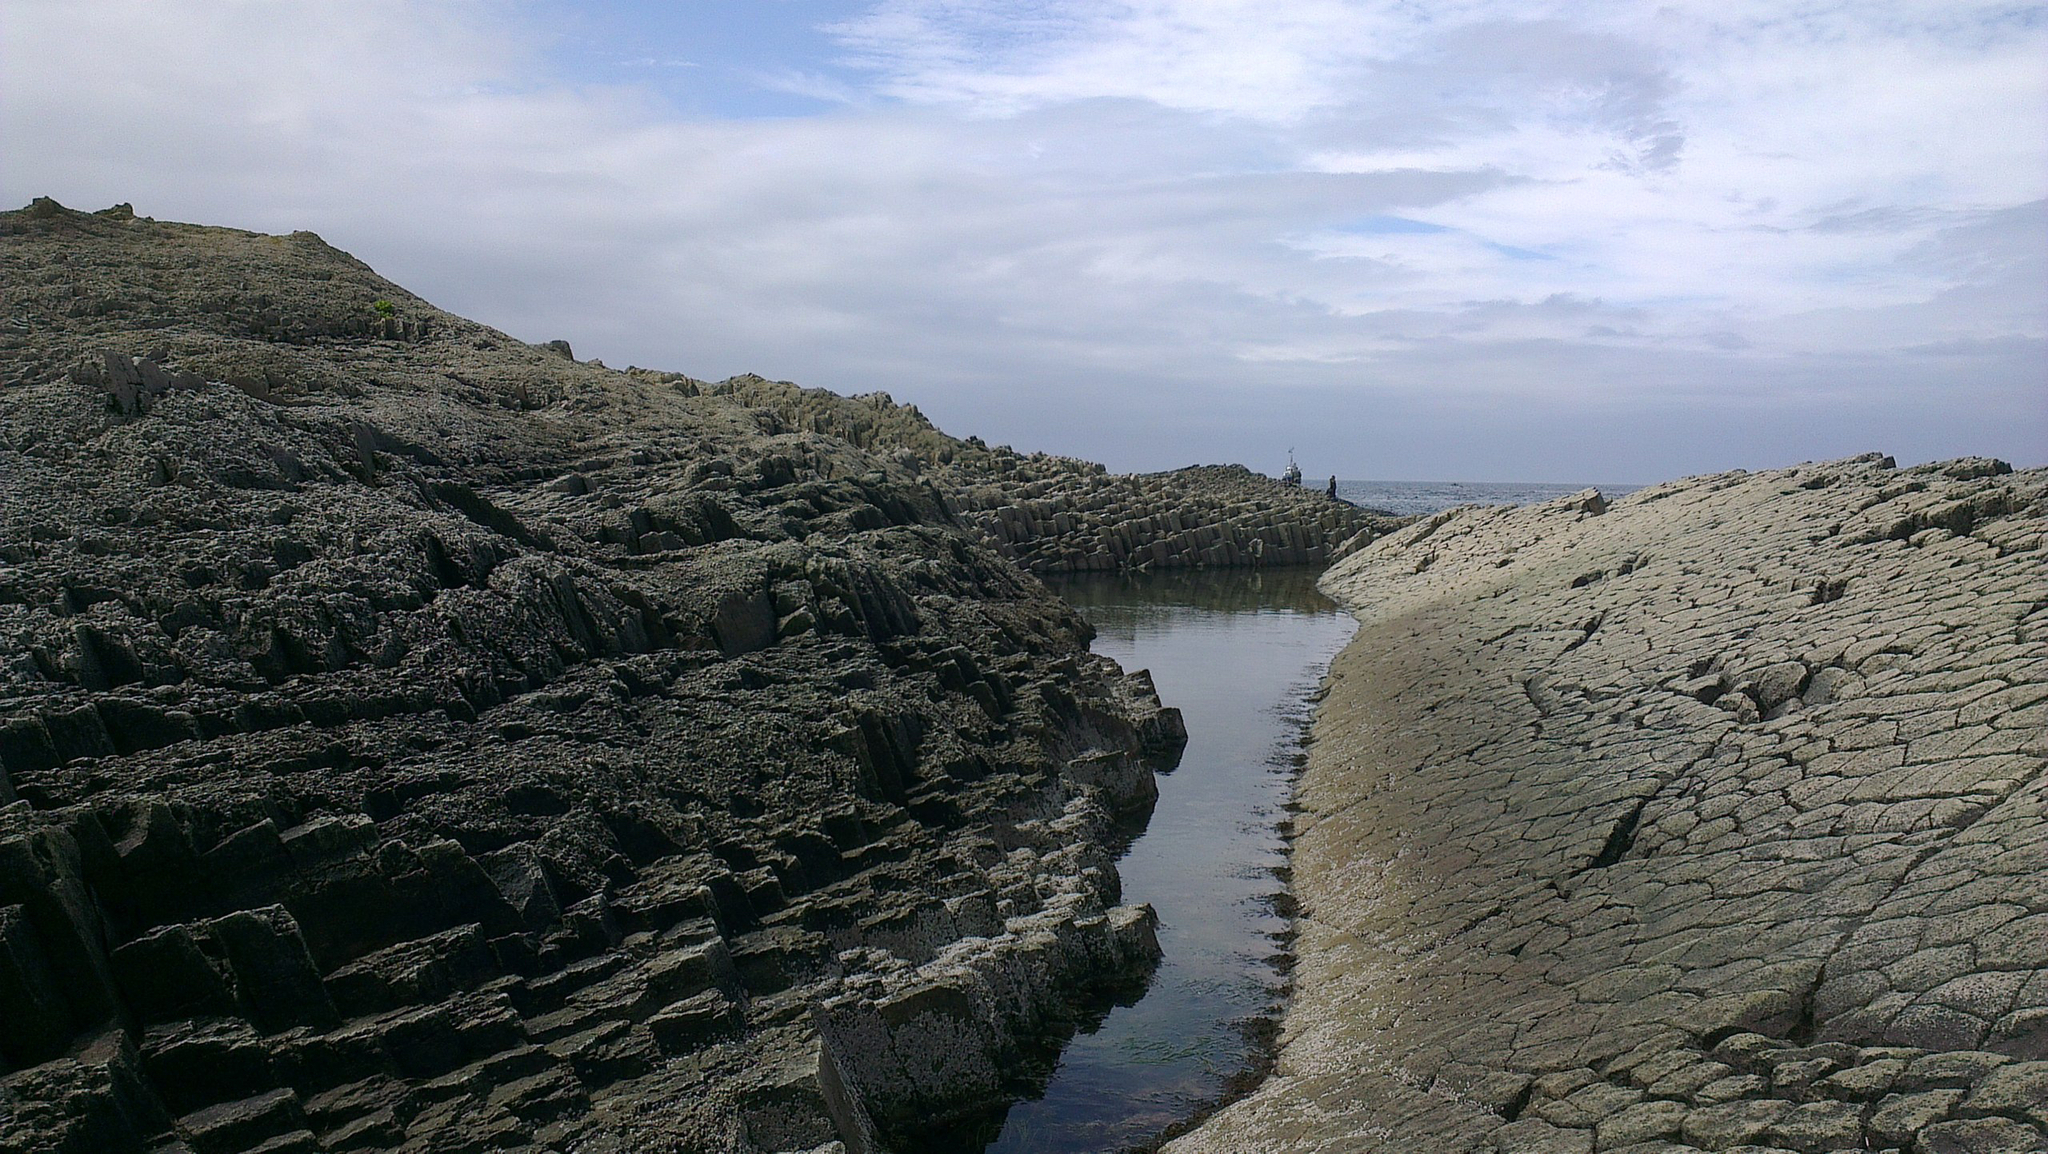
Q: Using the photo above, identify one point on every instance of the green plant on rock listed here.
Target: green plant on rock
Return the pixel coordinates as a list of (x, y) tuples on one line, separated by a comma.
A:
[(384, 308)]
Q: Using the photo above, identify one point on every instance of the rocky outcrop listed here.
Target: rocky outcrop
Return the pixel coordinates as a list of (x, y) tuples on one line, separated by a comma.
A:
[(1057, 520), (1712, 818), (1054, 514), (412, 739)]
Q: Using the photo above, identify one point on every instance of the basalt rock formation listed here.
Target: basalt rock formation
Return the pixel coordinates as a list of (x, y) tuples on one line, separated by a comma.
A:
[(1710, 819), (414, 739), (1054, 514)]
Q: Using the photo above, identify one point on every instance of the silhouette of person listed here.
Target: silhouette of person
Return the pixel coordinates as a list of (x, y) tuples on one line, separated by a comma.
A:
[(1333, 486)]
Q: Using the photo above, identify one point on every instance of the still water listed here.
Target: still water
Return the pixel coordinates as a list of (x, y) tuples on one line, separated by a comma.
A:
[(1413, 497), (1239, 653)]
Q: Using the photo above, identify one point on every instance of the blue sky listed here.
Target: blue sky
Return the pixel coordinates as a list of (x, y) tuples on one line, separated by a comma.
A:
[(1473, 239), (767, 58)]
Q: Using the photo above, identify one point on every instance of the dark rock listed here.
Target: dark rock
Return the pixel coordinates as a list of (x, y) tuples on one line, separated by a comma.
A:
[(201, 1062), (531, 747), (242, 1125), (165, 975), (30, 1004), (273, 970)]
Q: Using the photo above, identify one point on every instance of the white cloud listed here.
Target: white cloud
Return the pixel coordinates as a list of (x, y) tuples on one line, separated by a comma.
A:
[(1218, 222)]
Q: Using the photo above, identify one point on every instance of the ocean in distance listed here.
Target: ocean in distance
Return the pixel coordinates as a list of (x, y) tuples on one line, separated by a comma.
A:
[(1410, 497)]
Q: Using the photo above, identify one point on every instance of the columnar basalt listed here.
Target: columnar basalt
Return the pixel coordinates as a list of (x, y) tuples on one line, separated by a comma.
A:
[(1713, 818), (412, 739), (1054, 514)]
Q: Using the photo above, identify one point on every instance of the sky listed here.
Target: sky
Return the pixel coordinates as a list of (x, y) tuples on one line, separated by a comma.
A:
[(1405, 239)]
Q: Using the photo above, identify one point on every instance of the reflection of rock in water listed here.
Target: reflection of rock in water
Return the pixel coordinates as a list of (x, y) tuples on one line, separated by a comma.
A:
[(1240, 661), (1713, 817), (1031, 1068), (1292, 588)]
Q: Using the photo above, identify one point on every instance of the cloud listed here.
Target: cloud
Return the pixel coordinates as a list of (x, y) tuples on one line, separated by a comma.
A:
[(815, 85), (1155, 232)]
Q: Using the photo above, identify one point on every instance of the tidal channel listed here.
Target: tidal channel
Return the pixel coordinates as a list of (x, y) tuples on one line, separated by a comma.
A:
[(1240, 654)]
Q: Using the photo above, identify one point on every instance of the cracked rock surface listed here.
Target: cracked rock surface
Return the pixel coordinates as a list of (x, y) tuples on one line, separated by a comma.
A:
[(1713, 818), (414, 739)]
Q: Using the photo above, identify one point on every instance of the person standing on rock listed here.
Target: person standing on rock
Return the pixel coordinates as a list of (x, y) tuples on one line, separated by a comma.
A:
[(1333, 486)]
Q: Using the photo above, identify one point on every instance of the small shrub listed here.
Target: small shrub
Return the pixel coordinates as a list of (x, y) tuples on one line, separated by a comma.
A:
[(384, 308)]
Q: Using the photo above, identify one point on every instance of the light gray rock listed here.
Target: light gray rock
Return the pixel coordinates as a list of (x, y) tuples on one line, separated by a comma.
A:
[(1725, 792)]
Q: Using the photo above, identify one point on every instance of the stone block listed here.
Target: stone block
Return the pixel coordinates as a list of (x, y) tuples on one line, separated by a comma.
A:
[(695, 1021), (1643, 1122), (165, 974), (274, 973), (1980, 1136), (43, 874), (422, 1042), (410, 973), (797, 1098), (607, 1052), (316, 1061), (234, 1127), (202, 1062), (33, 1022), (1956, 1069), (94, 1099), (2018, 1090), (1900, 1116), (1733, 1123), (1532, 1136)]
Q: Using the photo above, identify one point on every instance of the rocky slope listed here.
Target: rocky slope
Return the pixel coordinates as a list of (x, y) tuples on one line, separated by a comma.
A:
[(414, 739), (1711, 819), (1054, 514)]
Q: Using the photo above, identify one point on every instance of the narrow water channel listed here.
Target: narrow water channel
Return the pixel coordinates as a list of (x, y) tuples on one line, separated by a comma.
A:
[(1239, 653)]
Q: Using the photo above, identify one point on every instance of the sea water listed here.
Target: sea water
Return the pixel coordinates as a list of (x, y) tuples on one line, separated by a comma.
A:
[(1411, 497), (1239, 653)]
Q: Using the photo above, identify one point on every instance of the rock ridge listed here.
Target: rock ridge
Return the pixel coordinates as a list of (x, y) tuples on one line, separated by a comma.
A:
[(1712, 818), (1053, 514)]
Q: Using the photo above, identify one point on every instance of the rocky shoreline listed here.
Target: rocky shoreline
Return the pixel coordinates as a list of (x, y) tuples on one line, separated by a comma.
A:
[(1709, 819), (414, 739), (1053, 514)]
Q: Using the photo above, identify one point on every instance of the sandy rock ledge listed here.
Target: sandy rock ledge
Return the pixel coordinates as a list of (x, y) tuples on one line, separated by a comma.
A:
[(1708, 819)]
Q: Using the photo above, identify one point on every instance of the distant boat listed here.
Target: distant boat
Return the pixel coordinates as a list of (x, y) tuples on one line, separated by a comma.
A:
[(1293, 474)]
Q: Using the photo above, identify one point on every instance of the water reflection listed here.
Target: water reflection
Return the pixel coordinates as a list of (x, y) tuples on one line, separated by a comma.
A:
[(1238, 653), (1103, 597)]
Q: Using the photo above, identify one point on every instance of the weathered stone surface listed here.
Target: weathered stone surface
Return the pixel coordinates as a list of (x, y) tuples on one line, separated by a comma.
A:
[(1722, 802), (2017, 1091), (1979, 1136), (415, 739)]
